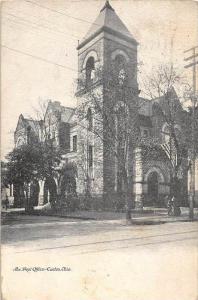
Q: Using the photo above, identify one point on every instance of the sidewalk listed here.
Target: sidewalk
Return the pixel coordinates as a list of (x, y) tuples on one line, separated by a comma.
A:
[(148, 215), (100, 215)]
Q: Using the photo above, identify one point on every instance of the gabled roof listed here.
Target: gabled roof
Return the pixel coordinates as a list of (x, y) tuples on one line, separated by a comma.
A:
[(33, 124), (66, 113), (62, 112), (25, 123), (20, 123), (107, 20), (172, 96), (146, 105)]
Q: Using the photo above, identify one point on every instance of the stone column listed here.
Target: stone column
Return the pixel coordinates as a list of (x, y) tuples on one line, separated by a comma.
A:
[(138, 179), (41, 192)]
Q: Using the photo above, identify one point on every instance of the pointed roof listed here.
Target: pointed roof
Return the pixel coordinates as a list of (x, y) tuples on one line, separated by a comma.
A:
[(25, 123), (65, 113), (108, 21)]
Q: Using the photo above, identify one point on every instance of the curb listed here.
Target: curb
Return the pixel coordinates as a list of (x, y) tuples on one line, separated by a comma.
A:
[(61, 216)]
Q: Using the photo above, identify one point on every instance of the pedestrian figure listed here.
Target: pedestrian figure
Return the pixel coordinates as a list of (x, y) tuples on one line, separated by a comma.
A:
[(177, 210), (173, 208)]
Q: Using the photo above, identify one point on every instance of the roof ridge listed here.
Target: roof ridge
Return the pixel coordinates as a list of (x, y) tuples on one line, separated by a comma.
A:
[(107, 5), (107, 20)]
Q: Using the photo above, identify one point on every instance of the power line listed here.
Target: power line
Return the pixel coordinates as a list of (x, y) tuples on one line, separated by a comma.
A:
[(22, 29), (193, 64), (193, 48), (61, 13), (39, 25), (36, 17), (53, 38), (71, 95), (57, 38), (37, 57)]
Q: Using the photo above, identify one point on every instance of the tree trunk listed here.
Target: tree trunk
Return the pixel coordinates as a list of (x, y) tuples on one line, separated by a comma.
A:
[(127, 200), (28, 204)]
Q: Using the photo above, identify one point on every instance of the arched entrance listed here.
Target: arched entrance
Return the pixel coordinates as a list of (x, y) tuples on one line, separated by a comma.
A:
[(156, 187), (153, 188)]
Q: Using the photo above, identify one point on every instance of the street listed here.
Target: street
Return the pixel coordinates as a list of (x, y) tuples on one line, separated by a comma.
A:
[(58, 258)]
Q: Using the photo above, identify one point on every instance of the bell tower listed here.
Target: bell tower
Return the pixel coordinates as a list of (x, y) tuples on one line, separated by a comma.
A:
[(107, 41), (108, 45)]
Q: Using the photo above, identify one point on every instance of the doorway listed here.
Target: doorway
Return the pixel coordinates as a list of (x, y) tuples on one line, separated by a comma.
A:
[(153, 188)]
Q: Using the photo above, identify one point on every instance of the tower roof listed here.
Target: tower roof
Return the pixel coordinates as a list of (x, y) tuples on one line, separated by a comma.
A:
[(108, 21)]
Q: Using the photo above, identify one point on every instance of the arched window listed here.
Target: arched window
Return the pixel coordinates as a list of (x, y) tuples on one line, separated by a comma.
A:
[(165, 133), (120, 61), (120, 69), (20, 142), (178, 134), (90, 119), (90, 70)]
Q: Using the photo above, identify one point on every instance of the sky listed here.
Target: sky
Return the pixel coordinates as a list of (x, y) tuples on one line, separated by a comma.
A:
[(39, 40)]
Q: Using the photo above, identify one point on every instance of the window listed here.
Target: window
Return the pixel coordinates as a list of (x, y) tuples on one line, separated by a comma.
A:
[(20, 142), (90, 119), (75, 143), (145, 133), (153, 186), (90, 70), (90, 156), (120, 68), (178, 133), (120, 61), (166, 133), (28, 135)]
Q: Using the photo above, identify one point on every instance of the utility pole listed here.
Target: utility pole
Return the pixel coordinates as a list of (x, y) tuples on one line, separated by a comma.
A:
[(194, 99)]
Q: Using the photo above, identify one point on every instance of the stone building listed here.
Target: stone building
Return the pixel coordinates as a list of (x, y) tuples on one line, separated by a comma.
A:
[(110, 46), (27, 130)]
